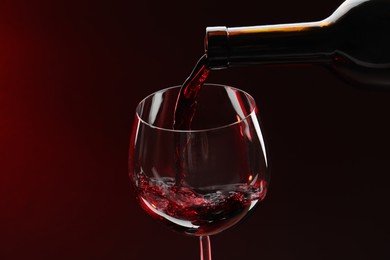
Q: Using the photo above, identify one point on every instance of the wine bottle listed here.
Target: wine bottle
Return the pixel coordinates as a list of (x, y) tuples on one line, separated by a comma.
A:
[(354, 42)]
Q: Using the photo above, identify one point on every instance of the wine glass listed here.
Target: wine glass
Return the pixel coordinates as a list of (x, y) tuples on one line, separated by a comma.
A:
[(200, 181)]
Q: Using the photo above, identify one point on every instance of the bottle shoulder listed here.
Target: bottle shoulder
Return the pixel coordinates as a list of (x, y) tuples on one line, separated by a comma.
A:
[(362, 32)]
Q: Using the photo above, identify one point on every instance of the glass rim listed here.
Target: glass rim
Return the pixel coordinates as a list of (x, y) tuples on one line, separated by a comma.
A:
[(252, 112)]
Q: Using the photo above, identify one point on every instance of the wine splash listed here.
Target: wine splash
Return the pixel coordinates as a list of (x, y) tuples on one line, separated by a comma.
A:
[(198, 212)]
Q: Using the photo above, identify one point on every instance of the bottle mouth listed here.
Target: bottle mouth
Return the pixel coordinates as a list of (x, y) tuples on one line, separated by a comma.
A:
[(216, 46)]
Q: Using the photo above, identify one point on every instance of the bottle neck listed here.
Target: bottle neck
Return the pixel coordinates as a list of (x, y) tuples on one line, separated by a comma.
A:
[(269, 44)]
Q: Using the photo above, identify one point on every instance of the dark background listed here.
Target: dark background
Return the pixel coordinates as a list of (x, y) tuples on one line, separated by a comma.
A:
[(71, 74)]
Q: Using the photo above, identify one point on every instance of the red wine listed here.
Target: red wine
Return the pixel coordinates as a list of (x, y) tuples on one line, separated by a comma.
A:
[(198, 212), (185, 110), (186, 100)]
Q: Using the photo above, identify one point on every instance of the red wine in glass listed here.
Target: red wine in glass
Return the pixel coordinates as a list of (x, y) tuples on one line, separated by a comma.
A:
[(195, 212), (203, 180)]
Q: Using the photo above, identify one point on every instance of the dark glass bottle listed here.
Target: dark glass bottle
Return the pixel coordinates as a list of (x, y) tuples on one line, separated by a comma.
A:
[(354, 41)]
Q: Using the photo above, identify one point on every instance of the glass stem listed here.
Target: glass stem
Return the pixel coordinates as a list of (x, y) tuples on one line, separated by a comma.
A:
[(205, 248)]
